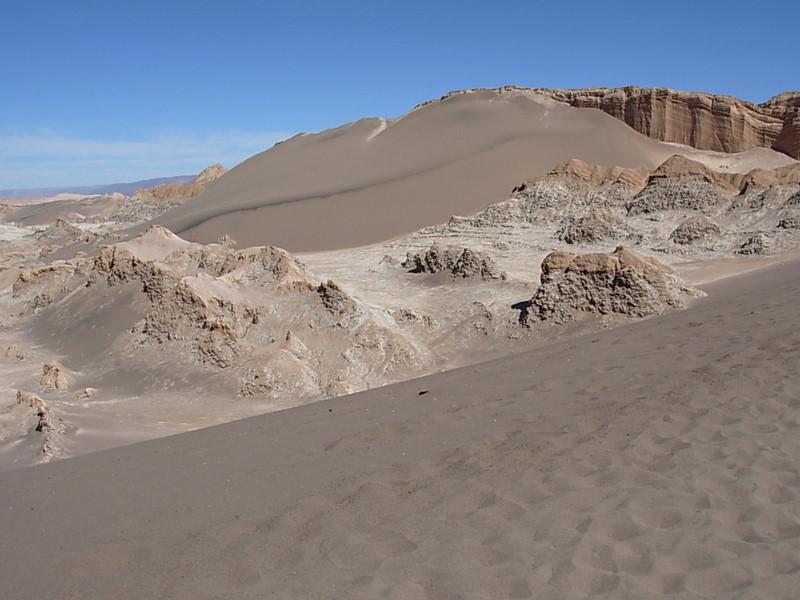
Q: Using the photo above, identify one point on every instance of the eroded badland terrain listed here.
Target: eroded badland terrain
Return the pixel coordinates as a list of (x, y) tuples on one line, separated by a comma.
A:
[(475, 226)]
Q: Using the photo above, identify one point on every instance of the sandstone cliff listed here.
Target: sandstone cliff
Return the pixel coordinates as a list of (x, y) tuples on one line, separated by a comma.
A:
[(704, 121)]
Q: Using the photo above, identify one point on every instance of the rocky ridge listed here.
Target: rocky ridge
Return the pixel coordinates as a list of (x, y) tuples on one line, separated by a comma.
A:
[(703, 121), (39, 420), (680, 208), (256, 312), (148, 203)]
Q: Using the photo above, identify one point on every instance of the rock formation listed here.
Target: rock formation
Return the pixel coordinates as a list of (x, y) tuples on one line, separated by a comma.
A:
[(789, 223), (457, 261), (755, 244), (595, 226), (622, 282), (63, 232), (228, 310), (587, 178), (704, 121), (54, 377), (42, 421), (38, 286), (681, 208), (148, 203), (695, 229), (210, 174), (680, 184)]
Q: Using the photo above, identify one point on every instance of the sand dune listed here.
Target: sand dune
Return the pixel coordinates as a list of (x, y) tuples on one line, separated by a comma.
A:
[(650, 461), (372, 180)]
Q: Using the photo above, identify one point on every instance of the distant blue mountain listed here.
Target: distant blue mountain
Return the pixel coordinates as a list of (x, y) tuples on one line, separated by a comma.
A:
[(95, 190)]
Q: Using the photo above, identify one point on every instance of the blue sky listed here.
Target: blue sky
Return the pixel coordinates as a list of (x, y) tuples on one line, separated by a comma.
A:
[(105, 91)]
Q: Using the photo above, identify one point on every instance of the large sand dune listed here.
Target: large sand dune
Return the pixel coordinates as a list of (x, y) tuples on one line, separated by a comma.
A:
[(374, 179), (656, 460)]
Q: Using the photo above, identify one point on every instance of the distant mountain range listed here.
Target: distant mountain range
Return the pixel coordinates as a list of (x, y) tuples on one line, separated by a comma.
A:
[(91, 190)]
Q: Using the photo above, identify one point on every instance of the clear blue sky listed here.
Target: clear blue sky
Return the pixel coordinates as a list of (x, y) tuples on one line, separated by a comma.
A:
[(100, 91)]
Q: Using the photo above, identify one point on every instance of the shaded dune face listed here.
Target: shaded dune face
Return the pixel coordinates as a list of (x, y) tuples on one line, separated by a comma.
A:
[(372, 180)]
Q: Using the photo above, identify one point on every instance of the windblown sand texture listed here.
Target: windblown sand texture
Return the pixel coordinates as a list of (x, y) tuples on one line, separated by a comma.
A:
[(657, 460)]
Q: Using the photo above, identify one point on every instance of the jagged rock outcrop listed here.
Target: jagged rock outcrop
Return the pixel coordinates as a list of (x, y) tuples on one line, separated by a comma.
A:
[(585, 177), (681, 184), (789, 223), (146, 204), (704, 121), (210, 174), (38, 286), (457, 261), (63, 232), (567, 193), (54, 377), (755, 244), (576, 184), (764, 178), (622, 282), (681, 208), (222, 312), (43, 421), (596, 226), (698, 228), (227, 309)]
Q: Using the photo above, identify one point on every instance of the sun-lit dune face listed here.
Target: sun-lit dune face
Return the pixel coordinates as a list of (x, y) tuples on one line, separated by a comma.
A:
[(374, 179)]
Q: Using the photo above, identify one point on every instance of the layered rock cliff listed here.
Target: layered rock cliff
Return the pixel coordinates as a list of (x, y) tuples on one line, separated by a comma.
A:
[(704, 121)]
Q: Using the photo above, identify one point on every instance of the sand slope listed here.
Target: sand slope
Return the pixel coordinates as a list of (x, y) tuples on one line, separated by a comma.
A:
[(650, 461), (374, 179)]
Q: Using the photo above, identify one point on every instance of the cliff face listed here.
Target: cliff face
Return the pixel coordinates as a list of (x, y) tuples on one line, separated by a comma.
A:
[(704, 121)]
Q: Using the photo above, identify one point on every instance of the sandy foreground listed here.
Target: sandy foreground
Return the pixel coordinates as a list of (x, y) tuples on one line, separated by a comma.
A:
[(654, 460)]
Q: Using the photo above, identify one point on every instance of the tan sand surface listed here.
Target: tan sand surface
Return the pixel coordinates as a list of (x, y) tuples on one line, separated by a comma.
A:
[(372, 180), (655, 460)]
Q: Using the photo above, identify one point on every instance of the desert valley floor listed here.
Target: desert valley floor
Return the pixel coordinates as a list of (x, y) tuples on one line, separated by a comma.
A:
[(508, 345)]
